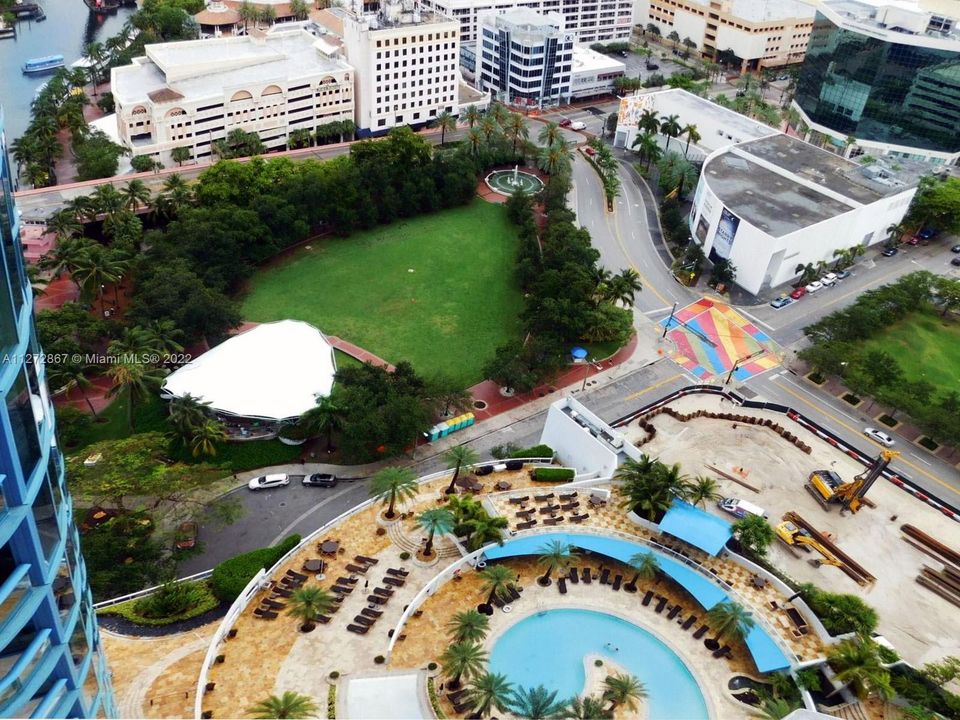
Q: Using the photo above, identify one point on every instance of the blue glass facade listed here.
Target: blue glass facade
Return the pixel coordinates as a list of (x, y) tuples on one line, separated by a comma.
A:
[(51, 664)]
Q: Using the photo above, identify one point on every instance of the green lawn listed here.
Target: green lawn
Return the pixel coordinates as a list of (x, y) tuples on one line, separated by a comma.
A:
[(926, 346), (437, 290)]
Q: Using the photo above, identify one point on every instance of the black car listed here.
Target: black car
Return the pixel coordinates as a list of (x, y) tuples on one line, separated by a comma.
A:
[(652, 66), (955, 249), (320, 480), (889, 252), (955, 261)]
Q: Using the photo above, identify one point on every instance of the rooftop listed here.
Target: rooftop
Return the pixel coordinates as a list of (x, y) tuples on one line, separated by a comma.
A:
[(528, 19), (898, 19), (766, 10), (587, 60)]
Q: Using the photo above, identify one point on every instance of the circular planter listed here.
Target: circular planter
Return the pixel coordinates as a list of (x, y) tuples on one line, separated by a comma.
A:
[(291, 441), (384, 521), (544, 582)]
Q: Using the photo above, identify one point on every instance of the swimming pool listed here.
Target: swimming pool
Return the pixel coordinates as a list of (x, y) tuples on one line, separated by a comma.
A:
[(548, 648)]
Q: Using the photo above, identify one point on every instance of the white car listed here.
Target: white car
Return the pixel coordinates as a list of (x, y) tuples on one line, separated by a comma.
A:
[(577, 125), (828, 279), (814, 286), (265, 482), (880, 437)]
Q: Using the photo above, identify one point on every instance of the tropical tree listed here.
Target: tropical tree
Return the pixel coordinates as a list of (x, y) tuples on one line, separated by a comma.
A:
[(328, 417), (646, 565), (300, 138), (895, 233), (473, 139), (180, 155), (554, 556), (489, 691), (549, 134), (807, 272), (204, 439), (67, 255), (730, 619), (489, 127), (649, 487), (690, 132), (307, 602), (391, 484), (94, 269), (701, 489), (859, 667), (300, 9), (484, 529), (445, 121), (516, 128), (433, 521), (624, 286), (649, 122), (135, 193), (674, 37), (69, 374), (537, 703), (137, 379), (776, 708), (754, 533), (647, 147), (468, 626), (290, 705), (622, 689), (457, 457), (498, 580), (471, 115), (587, 708), (463, 660), (64, 224), (554, 158)]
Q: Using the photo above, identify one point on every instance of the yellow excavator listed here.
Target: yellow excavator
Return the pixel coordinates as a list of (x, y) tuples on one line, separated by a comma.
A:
[(793, 536), (828, 488)]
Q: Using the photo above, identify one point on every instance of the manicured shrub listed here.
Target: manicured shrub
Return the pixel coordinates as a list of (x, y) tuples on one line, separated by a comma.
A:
[(173, 602), (379, 659), (334, 675), (553, 474), (404, 555), (537, 451), (231, 576), (840, 613)]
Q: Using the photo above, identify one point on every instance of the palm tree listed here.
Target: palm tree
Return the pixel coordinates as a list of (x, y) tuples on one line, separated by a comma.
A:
[(649, 487), (549, 134), (646, 565), (648, 147), (468, 626), (554, 158), (205, 438), (462, 660), (187, 414), (71, 374), (137, 379), (307, 602), (300, 138), (457, 457), (587, 708), (484, 529), (290, 705), (702, 489), (674, 37), (730, 619), (623, 690), (107, 200), (859, 667), (499, 113), (754, 533), (445, 121), (180, 155), (489, 127), (433, 521), (537, 703), (670, 126), (64, 225), (392, 483), (135, 193), (489, 691), (94, 269), (776, 708), (624, 286), (328, 416), (471, 115), (67, 255), (692, 134), (517, 129), (473, 140), (554, 556), (497, 581), (649, 122), (299, 9), (807, 273), (895, 233)]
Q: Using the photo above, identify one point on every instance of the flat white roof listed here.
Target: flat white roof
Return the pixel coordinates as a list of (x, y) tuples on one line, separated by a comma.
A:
[(767, 10), (387, 697), (586, 60), (274, 371)]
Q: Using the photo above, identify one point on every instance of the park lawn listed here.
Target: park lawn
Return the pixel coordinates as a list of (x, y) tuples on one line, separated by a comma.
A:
[(437, 290), (926, 347)]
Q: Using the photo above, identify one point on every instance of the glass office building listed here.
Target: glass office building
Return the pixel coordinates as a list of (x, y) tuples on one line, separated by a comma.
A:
[(51, 663), (884, 75)]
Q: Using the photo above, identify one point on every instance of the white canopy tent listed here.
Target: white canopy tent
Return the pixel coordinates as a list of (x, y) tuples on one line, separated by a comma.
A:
[(274, 372)]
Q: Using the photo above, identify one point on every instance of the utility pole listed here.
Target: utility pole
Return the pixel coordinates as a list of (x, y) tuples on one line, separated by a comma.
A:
[(666, 325)]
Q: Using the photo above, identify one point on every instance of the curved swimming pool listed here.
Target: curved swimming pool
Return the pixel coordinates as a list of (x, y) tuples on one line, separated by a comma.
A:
[(548, 648)]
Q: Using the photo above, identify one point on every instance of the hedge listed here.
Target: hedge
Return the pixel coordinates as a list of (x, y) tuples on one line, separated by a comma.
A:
[(537, 451), (434, 699), (553, 474), (231, 576), (127, 610)]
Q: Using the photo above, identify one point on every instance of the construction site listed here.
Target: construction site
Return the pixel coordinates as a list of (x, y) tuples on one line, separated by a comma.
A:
[(838, 524)]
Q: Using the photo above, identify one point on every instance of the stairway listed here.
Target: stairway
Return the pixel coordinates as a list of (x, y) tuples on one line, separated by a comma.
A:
[(399, 538)]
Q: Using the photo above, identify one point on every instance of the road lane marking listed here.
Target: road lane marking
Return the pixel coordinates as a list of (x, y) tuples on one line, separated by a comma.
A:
[(647, 389), (658, 310), (756, 320), (803, 389), (326, 501)]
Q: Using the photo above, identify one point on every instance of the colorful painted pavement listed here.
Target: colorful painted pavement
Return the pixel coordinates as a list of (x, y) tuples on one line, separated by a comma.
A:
[(710, 337)]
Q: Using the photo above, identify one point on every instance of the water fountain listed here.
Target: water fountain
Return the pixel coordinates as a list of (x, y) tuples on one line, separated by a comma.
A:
[(506, 182)]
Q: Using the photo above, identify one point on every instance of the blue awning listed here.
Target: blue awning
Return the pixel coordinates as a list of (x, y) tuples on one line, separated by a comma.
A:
[(766, 654), (697, 527)]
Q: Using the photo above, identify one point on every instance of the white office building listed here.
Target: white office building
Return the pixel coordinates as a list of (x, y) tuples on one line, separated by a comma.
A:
[(593, 73), (191, 94), (773, 204), (590, 20)]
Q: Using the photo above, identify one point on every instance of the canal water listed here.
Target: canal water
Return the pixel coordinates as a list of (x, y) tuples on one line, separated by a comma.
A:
[(68, 29)]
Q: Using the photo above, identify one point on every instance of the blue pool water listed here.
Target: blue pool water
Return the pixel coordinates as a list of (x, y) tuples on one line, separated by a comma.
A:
[(548, 649)]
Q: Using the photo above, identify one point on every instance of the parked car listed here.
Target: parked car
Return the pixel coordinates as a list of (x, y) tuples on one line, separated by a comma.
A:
[(955, 249), (320, 480), (955, 261), (814, 286), (565, 122), (265, 482), (578, 125), (880, 437), (843, 275), (889, 252), (780, 302), (828, 279), (798, 293), (928, 233), (652, 66), (624, 53), (913, 240), (590, 151), (186, 536)]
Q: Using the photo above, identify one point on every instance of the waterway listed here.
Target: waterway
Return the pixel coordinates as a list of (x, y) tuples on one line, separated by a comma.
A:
[(68, 29)]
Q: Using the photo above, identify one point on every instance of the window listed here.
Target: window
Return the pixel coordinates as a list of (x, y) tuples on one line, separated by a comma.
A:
[(23, 423), (45, 517)]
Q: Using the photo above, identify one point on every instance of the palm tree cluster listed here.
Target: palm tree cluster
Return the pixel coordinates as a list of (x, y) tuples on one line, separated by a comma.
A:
[(650, 125), (195, 426), (649, 487), (606, 163), (501, 136), (472, 522), (621, 287)]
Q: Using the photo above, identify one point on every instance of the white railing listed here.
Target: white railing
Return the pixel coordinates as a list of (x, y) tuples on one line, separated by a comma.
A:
[(141, 593)]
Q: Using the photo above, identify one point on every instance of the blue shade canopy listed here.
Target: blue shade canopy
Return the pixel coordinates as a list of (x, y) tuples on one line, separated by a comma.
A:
[(765, 651), (697, 527), (579, 353)]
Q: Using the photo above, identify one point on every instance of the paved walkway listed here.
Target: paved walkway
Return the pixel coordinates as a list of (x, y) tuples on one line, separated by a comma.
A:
[(358, 352)]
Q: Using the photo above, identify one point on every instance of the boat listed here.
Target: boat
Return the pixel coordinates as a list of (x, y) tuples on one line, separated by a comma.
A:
[(102, 6), (44, 64)]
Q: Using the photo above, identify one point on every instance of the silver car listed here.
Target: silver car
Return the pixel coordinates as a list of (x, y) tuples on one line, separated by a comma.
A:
[(880, 437)]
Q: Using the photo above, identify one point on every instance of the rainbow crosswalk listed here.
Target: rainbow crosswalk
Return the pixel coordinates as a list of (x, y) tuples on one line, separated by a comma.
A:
[(709, 337)]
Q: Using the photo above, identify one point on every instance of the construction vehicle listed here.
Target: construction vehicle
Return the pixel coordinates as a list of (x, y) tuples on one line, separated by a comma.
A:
[(797, 532), (828, 488), (793, 536)]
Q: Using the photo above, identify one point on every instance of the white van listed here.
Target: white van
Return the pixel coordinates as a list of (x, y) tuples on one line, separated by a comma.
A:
[(741, 508), (578, 125)]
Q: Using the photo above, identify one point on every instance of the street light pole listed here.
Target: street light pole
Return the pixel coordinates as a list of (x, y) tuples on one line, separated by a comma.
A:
[(666, 325)]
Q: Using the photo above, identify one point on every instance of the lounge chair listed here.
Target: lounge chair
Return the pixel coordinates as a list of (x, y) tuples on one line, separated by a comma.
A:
[(605, 576), (574, 576), (371, 613), (585, 575), (358, 629), (661, 604), (568, 496), (562, 585), (525, 514), (579, 518), (357, 568), (547, 509), (290, 583), (342, 589), (570, 506), (363, 620), (365, 560), (397, 573), (498, 601), (297, 576), (688, 623), (273, 604), (322, 619), (282, 592), (526, 525), (514, 501), (543, 498), (346, 581), (553, 521), (462, 708), (674, 611), (454, 697), (377, 600), (722, 652), (383, 592), (396, 582), (701, 631), (513, 593), (265, 614), (616, 582), (647, 598)]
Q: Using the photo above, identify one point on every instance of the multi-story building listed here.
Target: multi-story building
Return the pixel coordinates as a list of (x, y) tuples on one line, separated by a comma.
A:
[(525, 57), (883, 79), (593, 73), (762, 33), (191, 94), (51, 662), (590, 20), (406, 62)]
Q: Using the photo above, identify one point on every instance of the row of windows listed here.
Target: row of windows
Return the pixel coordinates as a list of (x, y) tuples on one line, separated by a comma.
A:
[(388, 54), (412, 38), (384, 107)]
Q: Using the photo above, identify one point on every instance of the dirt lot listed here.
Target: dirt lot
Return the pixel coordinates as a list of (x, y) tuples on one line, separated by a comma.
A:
[(922, 626)]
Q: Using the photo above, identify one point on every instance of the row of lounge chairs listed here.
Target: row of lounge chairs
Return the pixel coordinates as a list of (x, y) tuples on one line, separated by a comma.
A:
[(460, 699), (512, 596), (394, 578), (552, 521)]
